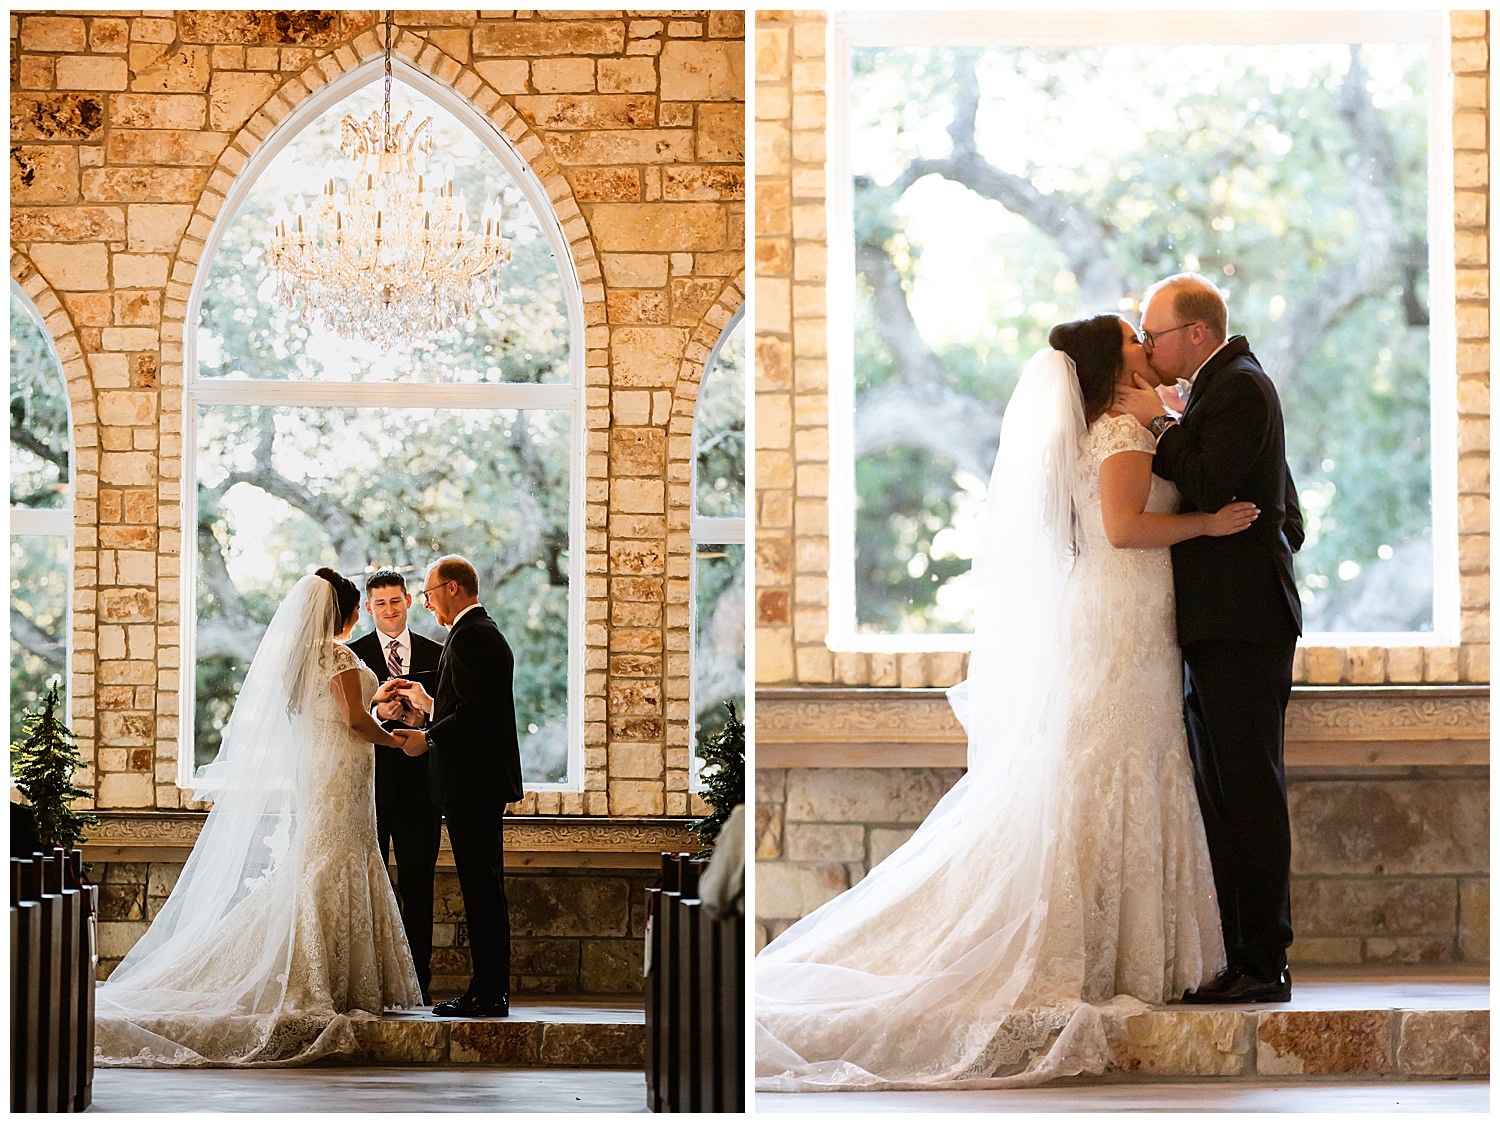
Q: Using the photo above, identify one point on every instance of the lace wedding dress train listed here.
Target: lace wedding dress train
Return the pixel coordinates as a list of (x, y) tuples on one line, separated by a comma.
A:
[(307, 941), (1060, 886)]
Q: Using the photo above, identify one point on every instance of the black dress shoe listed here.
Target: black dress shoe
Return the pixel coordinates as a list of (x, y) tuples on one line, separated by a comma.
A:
[(472, 1006), (1235, 985)]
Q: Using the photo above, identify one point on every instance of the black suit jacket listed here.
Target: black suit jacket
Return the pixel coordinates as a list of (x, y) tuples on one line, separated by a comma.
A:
[(476, 758), (1231, 445)]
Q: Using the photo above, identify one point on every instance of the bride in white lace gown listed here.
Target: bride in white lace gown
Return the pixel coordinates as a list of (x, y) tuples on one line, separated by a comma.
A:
[(1065, 881), (283, 926)]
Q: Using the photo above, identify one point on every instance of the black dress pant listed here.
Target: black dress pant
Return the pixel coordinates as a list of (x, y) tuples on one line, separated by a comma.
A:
[(1235, 706), (406, 816), (478, 852)]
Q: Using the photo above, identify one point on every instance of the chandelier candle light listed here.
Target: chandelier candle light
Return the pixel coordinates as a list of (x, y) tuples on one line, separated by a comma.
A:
[(390, 259)]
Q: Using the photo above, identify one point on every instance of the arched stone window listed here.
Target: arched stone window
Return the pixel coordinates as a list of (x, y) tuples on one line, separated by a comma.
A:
[(41, 510), (303, 449), (718, 531)]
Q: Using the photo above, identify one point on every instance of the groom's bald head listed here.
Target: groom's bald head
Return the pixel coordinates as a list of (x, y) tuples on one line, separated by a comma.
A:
[(1193, 298), (458, 569)]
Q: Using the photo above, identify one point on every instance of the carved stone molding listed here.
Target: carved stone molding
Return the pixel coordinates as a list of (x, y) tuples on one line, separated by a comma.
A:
[(530, 841), (1346, 727)]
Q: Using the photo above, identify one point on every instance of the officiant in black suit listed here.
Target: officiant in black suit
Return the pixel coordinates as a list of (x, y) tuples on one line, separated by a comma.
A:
[(475, 770), (1238, 618), (404, 811)]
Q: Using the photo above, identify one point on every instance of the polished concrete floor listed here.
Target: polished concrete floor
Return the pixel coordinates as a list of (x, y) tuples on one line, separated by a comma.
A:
[(423, 1088), (1431, 1098)]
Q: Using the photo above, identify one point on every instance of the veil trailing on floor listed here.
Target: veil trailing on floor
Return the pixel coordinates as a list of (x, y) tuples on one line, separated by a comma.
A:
[(207, 983), (932, 969)]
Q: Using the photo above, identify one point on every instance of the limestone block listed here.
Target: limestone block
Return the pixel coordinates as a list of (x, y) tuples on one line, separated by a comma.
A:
[(626, 75), (637, 452), (119, 728), (721, 134), (867, 795), (1394, 827), (1409, 949), (153, 30), (43, 173), (773, 53), (824, 842), (884, 841), (1323, 951), (569, 906), (588, 111), (1474, 920), (703, 71), (509, 76), (646, 356), (518, 39), (603, 1046), (117, 937), (613, 147), (562, 75), (596, 185), (140, 271), (784, 891), (150, 185), (305, 28), (1443, 1043), (157, 226), (1183, 1042), (66, 224), (1381, 906), (162, 878), (158, 70), (637, 306), (1324, 1043), (138, 307), (52, 33), (635, 270), (495, 1042), (400, 1041), (125, 789), (54, 117), (164, 146), (92, 72), (611, 967), (767, 831), (703, 182), (233, 98), (636, 797), (669, 227), (83, 267)]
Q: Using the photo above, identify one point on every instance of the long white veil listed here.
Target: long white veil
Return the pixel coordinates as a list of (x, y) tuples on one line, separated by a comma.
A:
[(930, 970), (207, 982)]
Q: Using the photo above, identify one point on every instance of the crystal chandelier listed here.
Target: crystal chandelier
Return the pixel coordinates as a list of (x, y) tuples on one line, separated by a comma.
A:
[(389, 259)]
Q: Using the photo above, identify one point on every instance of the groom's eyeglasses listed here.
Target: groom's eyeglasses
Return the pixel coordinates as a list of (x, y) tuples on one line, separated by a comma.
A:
[(427, 593), (1149, 338)]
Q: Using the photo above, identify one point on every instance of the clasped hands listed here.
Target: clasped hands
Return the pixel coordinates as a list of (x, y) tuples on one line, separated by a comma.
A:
[(399, 699)]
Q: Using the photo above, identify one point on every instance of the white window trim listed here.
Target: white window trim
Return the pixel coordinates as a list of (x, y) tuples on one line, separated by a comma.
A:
[(848, 31), (56, 522), (277, 392), (712, 530)]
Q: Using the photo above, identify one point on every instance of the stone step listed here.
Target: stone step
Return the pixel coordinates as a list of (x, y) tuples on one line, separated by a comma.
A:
[(1350, 1024), (555, 1033)]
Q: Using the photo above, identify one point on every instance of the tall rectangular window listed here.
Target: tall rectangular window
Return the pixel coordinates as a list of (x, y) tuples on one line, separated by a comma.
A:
[(997, 174)]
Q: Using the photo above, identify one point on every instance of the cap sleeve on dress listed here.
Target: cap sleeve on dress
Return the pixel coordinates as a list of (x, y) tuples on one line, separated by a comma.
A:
[(343, 660), (1123, 434)]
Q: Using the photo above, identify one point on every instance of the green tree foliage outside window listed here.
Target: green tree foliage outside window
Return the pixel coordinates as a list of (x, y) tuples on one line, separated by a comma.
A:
[(998, 191)]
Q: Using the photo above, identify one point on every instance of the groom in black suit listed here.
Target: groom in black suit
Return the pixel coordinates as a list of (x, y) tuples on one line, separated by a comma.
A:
[(475, 771), (404, 811), (1238, 618)]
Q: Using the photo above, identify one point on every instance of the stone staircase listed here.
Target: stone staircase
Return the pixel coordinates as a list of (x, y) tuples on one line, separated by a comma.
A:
[(1406, 1025), (540, 1033)]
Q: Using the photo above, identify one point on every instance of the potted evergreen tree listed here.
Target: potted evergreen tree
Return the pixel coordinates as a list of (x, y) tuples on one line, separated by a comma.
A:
[(43, 765), (723, 757)]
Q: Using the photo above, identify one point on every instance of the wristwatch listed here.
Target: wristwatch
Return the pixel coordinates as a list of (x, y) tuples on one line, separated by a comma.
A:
[(1159, 425)]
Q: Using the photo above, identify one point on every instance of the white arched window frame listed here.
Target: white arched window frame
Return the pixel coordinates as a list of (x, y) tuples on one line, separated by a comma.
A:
[(55, 522), (852, 30), (485, 396), (709, 530)]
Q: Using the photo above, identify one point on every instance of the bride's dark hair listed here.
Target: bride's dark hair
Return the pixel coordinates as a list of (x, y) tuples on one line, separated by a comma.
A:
[(345, 593), (1097, 349)]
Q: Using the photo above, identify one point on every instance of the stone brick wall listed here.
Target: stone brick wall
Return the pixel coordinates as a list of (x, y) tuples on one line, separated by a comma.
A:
[(128, 130), (573, 932), (1391, 869), (791, 407)]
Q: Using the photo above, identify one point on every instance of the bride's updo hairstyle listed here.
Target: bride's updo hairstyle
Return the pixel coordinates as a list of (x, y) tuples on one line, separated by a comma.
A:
[(345, 594), (1097, 350)]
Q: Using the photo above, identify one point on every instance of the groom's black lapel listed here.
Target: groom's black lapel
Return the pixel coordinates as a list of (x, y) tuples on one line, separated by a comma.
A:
[(1236, 347)]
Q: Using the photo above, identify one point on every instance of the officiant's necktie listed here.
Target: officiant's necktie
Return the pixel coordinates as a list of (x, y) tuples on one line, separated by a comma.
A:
[(393, 658)]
